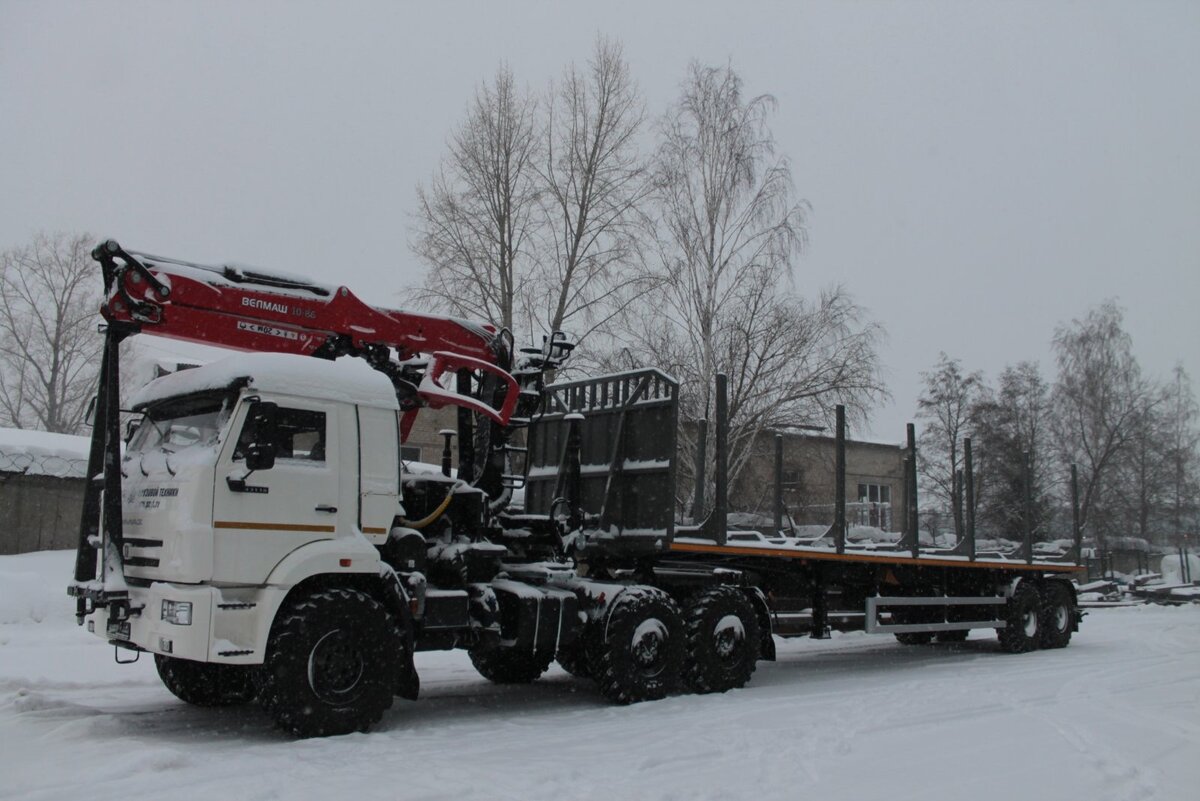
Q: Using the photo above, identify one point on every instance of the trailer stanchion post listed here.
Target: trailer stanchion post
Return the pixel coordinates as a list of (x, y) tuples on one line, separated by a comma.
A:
[(839, 501), (721, 502), (820, 606), (574, 471), (1076, 530), (969, 479), (701, 458), (914, 520), (778, 483), (1028, 469)]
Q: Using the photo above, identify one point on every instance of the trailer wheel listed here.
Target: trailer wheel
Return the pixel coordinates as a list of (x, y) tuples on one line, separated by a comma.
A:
[(638, 655), (1022, 613), (1058, 615), (502, 665), (722, 640), (331, 665), (915, 637), (206, 683), (957, 635)]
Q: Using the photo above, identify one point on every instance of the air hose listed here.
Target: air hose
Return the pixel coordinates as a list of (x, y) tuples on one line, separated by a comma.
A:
[(432, 516)]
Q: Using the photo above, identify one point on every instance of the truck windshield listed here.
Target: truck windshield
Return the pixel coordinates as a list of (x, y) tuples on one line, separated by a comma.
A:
[(179, 423)]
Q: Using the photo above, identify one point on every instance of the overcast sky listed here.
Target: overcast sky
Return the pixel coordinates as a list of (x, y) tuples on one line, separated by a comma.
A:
[(978, 172)]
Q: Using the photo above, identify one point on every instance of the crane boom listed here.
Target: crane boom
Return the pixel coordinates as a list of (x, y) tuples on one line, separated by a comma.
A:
[(257, 311)]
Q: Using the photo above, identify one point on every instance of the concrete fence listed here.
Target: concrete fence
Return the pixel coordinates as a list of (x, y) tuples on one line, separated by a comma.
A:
[(39, 512)]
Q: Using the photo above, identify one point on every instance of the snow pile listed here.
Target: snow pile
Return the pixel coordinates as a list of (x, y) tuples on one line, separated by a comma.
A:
[(41, 453), (33, 588)]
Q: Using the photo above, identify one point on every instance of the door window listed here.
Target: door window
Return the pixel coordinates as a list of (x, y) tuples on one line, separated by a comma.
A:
[(299, 434)]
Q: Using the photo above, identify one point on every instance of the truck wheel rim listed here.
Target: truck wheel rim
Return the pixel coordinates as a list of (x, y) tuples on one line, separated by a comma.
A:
[(648, 646), (1061, 617), (1029, 622), (335, 667), (728, 636)]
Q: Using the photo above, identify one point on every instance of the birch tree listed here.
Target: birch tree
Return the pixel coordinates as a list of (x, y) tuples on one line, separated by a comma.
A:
[(729, 230), (475, 220), (594, 183), (945, 410), (1098, 400), (49, 345)]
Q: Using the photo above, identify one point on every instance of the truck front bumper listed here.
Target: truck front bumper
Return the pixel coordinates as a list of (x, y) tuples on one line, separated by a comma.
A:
[(198, 622)]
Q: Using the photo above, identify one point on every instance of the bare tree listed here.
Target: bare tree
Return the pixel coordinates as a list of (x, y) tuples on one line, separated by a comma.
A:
[(49, 347), (1183, 443), (945, 407), (475, 219), (729, 231), (594, 183), (1099, 398)]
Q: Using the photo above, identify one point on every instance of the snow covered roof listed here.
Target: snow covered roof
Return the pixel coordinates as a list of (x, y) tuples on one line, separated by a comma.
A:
[(348, 379), (41, 453)]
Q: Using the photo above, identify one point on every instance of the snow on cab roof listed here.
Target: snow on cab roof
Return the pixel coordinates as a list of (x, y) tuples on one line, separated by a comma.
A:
[(41, 453), (348, 379)]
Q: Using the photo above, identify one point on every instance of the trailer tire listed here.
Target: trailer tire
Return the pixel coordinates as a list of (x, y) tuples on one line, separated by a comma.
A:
[(1023, 614), (501, 665), (957, 635), (206, 683), (915, 637), (331, 665), (722, 640), (1058, 615), (639, 653)]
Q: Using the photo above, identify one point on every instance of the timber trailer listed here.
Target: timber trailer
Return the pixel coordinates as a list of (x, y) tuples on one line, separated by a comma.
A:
[(254, 528)]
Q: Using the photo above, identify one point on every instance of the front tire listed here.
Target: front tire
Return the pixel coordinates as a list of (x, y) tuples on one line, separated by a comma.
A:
[(1023, 616), (206, 683), (639, 653), (332, 662), (722, 640)]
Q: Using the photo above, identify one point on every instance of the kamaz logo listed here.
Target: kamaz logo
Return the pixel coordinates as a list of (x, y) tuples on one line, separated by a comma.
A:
[(265, 305)]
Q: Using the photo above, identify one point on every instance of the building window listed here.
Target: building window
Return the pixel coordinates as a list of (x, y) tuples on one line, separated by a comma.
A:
[(410, 453), (875, 506)]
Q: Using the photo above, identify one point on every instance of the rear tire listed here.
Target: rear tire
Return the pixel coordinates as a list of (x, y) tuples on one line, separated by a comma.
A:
[(639, 653), (1057, 615), (1023, 616), (502, 665), (722, 640), (206, 683), (332, 662), (958, 635)]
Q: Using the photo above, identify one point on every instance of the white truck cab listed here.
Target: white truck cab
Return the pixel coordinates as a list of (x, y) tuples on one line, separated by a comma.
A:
[(211, 545)]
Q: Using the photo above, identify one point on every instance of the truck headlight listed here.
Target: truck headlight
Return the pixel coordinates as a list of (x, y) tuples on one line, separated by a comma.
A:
[(177, 612)]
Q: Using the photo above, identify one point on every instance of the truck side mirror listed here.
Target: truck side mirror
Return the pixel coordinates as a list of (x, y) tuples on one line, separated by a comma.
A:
[(263, 420)]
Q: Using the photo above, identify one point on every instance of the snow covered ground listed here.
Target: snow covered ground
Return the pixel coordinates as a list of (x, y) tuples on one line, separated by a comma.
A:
[(1116, 716)]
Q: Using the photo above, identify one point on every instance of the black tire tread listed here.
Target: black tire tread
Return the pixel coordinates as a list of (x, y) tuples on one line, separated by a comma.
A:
[(501, 665), (702, 674), (1013, 637), (1054, 593), (615, 681), (206, 684), (289, 702)]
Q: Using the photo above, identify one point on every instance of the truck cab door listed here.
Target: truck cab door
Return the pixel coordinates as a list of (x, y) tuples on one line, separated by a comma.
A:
[(261, 516)]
